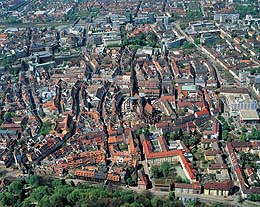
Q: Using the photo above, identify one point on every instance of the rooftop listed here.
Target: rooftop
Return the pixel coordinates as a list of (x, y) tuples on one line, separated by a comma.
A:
[(248, 115)]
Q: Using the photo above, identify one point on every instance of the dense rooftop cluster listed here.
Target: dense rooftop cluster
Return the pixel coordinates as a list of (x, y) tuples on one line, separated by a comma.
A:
[(160, 95)]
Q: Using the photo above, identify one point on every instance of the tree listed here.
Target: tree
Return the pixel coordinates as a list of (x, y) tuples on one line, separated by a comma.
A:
[(180, 133), (125, 205), (130, 181), (225, 126), (42, 114), (156, 202), (45, 201), (243, 137), (142, 131), (194, 203), (26, 203), (141, 198), (135, 204), (38, 193), (56, 200), (254, 197), (16, 187), (82, 195), (171, 196), (222, 119), (7, 115), (225, 135), (188, 45), (21, 142), (255, 134), (243, 129), (165, 168), (173, 136), (179, 179), (34, 180), (7, 199), (155, 171), (197, 41), (46, 128), (240, 199), (58, 182)]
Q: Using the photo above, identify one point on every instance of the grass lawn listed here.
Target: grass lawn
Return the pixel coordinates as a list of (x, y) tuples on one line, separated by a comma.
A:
[(180, 171), (155, 143)]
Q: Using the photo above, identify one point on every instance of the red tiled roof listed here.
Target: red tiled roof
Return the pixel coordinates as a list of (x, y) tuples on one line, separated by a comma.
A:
[(162, 124), (217, 166), (195, 186), (115, 139), (163, 144), (207, 141), (249, 171), (203, 112), (237, 40), (167, 98), (149, 154), (148, 107), (111, 177), (212, 152), (84, 173), (227, 185)]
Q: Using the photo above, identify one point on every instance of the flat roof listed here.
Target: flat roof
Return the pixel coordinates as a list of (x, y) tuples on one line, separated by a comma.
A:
[(248, 114), (189, 88)]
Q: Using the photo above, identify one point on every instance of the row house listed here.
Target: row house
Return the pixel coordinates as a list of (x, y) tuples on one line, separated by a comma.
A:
[(194, 188)]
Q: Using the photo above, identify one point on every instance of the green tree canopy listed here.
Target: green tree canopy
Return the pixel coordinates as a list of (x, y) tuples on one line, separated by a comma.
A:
[(16, 187), (34, 180), (165, 168), (38, 193)]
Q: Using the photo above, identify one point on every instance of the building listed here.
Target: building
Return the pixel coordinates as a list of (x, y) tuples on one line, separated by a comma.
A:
[(237, 102), (249, 20), (111, 40), (218, 188), (164, 185), (245, 188), (249, 116), (194, 188), (129, 16), (157, 157), (172, 43), (226, 17), (243, 76)]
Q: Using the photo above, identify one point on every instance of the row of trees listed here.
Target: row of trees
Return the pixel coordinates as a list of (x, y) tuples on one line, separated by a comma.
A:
[(225, 129), (41, 192)]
